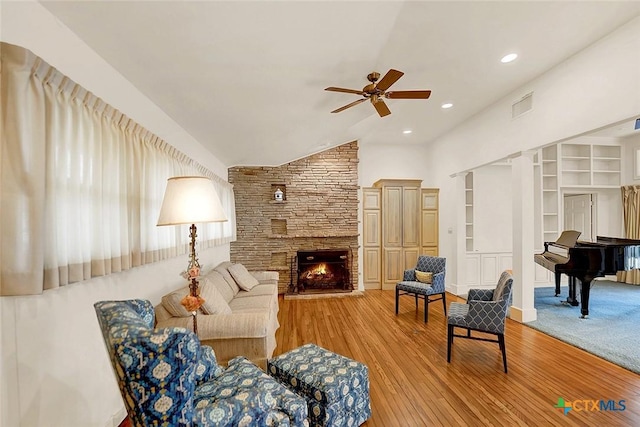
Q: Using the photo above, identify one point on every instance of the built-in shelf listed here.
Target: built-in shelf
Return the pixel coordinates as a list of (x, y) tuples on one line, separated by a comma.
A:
[(468, 200), (281, 187), (571, 166)]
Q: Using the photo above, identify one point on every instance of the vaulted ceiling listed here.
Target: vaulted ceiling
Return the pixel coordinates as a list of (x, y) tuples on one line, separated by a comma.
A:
[(247, 78)]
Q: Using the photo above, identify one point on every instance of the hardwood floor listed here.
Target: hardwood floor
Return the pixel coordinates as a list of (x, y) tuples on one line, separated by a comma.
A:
[(412, 384)]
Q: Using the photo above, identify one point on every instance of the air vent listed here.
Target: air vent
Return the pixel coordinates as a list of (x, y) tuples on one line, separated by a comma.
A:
[(521, 106)]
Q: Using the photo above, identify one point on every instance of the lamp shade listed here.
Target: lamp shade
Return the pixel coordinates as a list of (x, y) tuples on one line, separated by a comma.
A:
[(190, 200)]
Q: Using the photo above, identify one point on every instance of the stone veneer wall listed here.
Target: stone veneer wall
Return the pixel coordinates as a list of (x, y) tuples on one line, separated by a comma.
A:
[(319, 211)]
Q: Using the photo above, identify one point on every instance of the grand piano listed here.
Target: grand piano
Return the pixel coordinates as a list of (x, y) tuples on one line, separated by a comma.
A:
[(584, 261)]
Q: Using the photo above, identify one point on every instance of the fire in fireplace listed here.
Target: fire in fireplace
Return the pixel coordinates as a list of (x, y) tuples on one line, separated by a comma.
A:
[(323, 270)]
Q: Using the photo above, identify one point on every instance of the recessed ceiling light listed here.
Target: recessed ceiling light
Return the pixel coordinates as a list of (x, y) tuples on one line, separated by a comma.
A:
[(508, 58), (406, 132), (446, 105)]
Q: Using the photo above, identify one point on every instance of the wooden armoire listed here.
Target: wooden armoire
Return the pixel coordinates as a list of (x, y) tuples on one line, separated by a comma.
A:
[(400, 222)]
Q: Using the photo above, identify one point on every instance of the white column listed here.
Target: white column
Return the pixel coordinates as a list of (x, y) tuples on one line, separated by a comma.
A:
[(460, 285), (523, 309)]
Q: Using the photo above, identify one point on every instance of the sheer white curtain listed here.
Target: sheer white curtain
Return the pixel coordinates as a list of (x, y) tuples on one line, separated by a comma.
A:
[(82, 184)]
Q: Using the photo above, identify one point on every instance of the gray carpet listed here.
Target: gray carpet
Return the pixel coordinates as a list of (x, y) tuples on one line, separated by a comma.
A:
[(610, 331)]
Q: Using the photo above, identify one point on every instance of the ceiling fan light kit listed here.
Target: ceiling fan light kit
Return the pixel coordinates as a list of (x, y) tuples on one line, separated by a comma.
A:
[(377, 90)]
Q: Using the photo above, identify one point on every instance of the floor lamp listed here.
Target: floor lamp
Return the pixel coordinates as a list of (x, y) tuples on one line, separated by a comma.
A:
[(191, 200)]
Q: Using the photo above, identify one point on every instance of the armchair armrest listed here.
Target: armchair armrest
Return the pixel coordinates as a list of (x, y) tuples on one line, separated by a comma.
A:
[(409, 275), (437, 283), (480, 295)]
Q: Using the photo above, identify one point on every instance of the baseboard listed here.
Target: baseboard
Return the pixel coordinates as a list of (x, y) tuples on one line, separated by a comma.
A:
[(522, 316), (117, 418)]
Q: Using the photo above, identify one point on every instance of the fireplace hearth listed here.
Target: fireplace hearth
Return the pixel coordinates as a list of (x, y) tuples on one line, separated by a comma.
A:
[(323, 270)]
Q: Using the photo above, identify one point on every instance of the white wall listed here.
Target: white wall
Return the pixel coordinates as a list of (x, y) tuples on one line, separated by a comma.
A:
[(392, 161), (631, 144), (492, 209), (54, 369), (594, 88)]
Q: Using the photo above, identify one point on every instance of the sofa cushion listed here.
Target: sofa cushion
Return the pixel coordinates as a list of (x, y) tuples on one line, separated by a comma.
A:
[(218, 281), (243, 278), (171, 302), (252, 304), (222, 268), (259, 290), (214, 302)]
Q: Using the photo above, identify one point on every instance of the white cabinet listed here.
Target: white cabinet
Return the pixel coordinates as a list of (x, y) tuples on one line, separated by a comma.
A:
[(484, 269)]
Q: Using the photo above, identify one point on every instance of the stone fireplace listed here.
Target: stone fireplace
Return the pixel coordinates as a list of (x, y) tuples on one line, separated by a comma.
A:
[(318, 211), (325, 270)]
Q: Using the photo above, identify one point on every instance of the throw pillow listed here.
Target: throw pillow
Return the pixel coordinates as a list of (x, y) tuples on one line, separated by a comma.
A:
[(222, 285), (223, 269), (243, 278), (172, 302), (214, 302), (424, 276)]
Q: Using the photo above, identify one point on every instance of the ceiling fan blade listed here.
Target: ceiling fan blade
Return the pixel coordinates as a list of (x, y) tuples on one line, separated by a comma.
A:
[(381, 107), (339, 89), (349, 105), (390, 78), (408, 94)]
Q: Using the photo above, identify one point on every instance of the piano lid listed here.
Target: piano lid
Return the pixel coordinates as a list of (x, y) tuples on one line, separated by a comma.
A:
[(568, 238)]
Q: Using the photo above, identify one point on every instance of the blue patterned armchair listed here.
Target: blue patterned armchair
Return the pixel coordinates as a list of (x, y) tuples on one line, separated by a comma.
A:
[(167, 378), (430, 286), (485, 311)]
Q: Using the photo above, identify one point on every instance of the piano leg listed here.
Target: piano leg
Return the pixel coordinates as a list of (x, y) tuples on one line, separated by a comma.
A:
[(585, 289), (571, 299), (558, 283)]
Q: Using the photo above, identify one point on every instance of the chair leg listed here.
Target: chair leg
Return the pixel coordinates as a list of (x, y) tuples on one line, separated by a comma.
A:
[(449, 342), (504, 351), (426, 308), (416, 295), (444, 304), (397, 297)]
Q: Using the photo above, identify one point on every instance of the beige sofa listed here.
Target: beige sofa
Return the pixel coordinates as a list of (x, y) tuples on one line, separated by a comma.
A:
[(234, 321)]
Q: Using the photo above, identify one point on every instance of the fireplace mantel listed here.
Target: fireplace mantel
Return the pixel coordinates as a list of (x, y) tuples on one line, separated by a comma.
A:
[(311, 236)]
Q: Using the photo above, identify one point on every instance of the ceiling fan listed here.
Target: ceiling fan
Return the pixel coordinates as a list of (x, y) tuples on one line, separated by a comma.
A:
[(375, 92)]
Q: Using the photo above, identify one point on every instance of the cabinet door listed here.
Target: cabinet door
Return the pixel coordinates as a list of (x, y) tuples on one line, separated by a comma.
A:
[(411, 217), (410, 258), (371, 228), (392, 267), (371, 198), (372, 268), (429, 221), (392, 213), (431, 251), (430, 228)]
